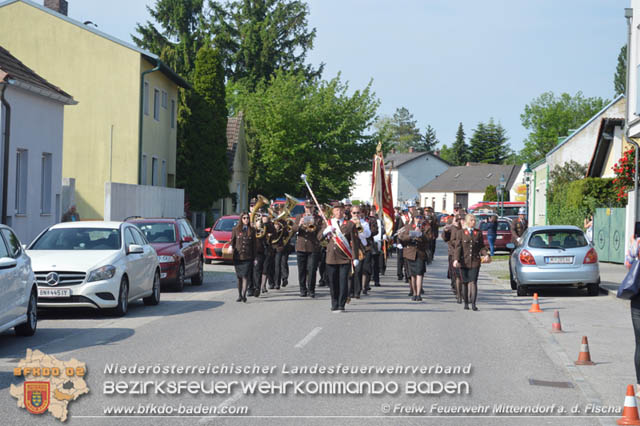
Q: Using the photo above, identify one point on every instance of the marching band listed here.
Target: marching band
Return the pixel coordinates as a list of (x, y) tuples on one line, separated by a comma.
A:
[(348, 247)]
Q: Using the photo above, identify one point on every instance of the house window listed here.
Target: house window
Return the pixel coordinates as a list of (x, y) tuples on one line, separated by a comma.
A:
[(433, 203), (164, 99), (21, 181), (143, 170), (154, 171), (145, 98), (163, 176), (156, 104), (173, 114), (45, 184)]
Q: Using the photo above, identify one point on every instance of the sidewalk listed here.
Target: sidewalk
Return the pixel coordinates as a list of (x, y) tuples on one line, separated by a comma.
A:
[(611, 275)]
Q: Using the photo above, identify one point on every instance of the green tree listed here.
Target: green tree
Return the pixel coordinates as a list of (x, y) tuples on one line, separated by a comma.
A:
[(204, 134), (479, 144), (489, 143), (620, 77), (490, 193), (317, 128), (446, 154), (405, 132), (561, 175), (548, 117), (383, 132), (429, 141), (460, 149), (258, 37)]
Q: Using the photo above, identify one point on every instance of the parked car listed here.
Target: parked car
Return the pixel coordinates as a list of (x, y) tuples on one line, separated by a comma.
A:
[(18, 288), (218, 239), (179, 250), (549, 256), (503, 235), (94, 264)]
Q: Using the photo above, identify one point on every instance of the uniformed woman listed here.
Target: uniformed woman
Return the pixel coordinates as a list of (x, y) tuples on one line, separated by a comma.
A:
[(415, 238), (469, 253), (243, 244), (454, 224)]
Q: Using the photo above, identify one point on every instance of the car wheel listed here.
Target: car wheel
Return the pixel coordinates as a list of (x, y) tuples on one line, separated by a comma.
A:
[(207, 261), (198, 278), (593, 289), (154, 299), (514, 284), (522, 290), (179, 284), (123, 299), (29, 327)]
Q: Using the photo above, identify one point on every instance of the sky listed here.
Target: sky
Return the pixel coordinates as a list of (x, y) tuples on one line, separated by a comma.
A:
[(446, 61)]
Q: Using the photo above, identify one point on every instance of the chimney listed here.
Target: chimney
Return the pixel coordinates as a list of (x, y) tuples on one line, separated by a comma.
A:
[(59, 6), (410, 149)]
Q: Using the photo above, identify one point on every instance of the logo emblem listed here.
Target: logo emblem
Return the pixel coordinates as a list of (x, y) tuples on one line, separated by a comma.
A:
[(36, 396), (53, 278)]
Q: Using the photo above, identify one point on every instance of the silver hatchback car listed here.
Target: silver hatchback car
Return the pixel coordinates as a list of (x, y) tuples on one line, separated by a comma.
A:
[(547, 256)]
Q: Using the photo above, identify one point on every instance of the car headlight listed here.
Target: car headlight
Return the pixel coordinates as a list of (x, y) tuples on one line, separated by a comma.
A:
[(103, 273), (212, 239), (166, 259)]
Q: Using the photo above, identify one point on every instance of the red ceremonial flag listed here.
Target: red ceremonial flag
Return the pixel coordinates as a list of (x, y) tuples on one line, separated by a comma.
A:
[(381, 192)]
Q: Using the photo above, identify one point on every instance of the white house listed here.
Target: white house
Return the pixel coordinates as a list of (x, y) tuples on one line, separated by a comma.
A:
[(31, 124), (409, 171), (467, 184)]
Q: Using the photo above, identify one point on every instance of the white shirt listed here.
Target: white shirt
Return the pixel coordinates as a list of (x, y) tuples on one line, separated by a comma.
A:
[(366, 232)]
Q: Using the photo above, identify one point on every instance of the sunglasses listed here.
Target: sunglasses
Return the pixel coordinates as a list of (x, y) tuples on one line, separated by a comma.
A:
[(245, 217)]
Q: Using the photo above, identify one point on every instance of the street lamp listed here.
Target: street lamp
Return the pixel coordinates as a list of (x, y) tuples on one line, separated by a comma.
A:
[(527, 179), (502, 188)]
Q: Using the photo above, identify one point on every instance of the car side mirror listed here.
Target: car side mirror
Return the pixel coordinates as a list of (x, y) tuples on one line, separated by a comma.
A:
[(135, 249), (8, 263), (187, 239), (511, 246), (207, 230)]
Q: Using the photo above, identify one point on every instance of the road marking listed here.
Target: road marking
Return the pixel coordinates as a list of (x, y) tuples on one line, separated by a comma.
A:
[(229, 401), (313, 333)]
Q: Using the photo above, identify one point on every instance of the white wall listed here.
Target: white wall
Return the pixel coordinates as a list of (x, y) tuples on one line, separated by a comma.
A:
[(122, 200), (634, 52), (37, 126), (426, 199)]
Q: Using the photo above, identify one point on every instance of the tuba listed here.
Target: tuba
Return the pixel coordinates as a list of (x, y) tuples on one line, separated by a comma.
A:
[(287, 220), (260, 228)]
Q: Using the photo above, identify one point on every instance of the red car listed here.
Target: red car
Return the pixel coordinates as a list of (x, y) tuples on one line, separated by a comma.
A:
[(178, 247), (218, 239), (503, 235)]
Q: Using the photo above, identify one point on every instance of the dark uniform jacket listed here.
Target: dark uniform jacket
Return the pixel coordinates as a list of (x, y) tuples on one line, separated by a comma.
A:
[(415, 248), (307, 241), (262, 242), (279, 235), (335, 255), (517, 229), (243, 243), (449, 236), (469, 248), (373, 226)]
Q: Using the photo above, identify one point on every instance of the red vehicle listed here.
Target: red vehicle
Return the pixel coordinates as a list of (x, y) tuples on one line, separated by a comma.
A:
[(219, 238), (503, 235), (296, 211), (510, 208), (178, 247)]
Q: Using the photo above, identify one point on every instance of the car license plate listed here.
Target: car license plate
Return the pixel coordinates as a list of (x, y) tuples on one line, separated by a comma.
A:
[(54, 292), (499, 237), (555, 260)]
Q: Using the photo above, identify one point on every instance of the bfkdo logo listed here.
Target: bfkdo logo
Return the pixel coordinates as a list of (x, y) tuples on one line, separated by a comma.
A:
[(49, 384), (36, 396)]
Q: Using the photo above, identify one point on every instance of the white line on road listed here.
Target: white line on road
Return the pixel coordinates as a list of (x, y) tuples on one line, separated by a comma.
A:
[(313, 333)]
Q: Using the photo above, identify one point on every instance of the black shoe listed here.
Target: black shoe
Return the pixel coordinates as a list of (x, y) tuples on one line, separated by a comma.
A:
[(377, 284), (277, 287), (321, 284), (400, 278), (303, 294), (419, 298), (474, 307), (459, 300), (264, 289), (365, 291), (284, 283), (414, 298), (256, 293), (466, 306), (312, 295), (239, 299), (357, 296), (244, 299), (271, 287)]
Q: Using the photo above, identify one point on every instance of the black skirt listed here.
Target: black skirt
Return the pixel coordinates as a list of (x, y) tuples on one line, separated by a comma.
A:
[(469, 275), (416, 267), (243, 268)]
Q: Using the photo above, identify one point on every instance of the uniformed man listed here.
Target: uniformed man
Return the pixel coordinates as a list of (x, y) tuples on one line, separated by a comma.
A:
[(254, 286), (433, 219), (347, 208), (519, 225), (269, 254), (454, 224), (377, 254), (307, 228), (338, 262), (402, 220), (280, 269)]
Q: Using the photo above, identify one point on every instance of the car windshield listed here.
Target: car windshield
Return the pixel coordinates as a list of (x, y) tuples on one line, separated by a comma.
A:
[(225, 225), (558, 239), (158, 232), (78, 239)]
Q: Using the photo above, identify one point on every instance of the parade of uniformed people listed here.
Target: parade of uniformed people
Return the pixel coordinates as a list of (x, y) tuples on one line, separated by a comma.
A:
[(319, 212)]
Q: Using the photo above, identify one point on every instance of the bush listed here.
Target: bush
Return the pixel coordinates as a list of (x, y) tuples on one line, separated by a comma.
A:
[(490, 193), (570, 202)]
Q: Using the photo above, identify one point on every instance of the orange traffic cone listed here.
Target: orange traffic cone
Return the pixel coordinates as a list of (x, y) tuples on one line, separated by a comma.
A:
[(535, 306), (556, 327), (584, 358), (630, 410)]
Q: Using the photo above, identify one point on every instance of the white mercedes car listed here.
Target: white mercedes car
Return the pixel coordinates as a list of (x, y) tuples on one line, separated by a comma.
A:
[(102, 265), (18, 291)]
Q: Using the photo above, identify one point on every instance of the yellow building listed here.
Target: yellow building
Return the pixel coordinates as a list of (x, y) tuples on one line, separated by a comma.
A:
[(104, 138)]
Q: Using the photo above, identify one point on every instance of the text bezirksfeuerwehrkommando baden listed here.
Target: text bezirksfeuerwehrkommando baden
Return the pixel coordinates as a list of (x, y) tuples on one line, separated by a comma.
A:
[(284, 369)]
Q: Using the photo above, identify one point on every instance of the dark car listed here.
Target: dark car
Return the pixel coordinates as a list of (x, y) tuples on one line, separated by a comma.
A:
[(503, 235), (178, 247)]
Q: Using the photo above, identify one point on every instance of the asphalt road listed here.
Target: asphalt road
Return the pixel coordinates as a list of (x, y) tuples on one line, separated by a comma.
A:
[(503, 345)]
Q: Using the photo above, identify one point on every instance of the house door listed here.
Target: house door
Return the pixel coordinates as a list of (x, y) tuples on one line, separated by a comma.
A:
[(463, 199)]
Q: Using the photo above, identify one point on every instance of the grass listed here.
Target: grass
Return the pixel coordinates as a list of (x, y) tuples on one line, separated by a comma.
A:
[(500, 257)]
